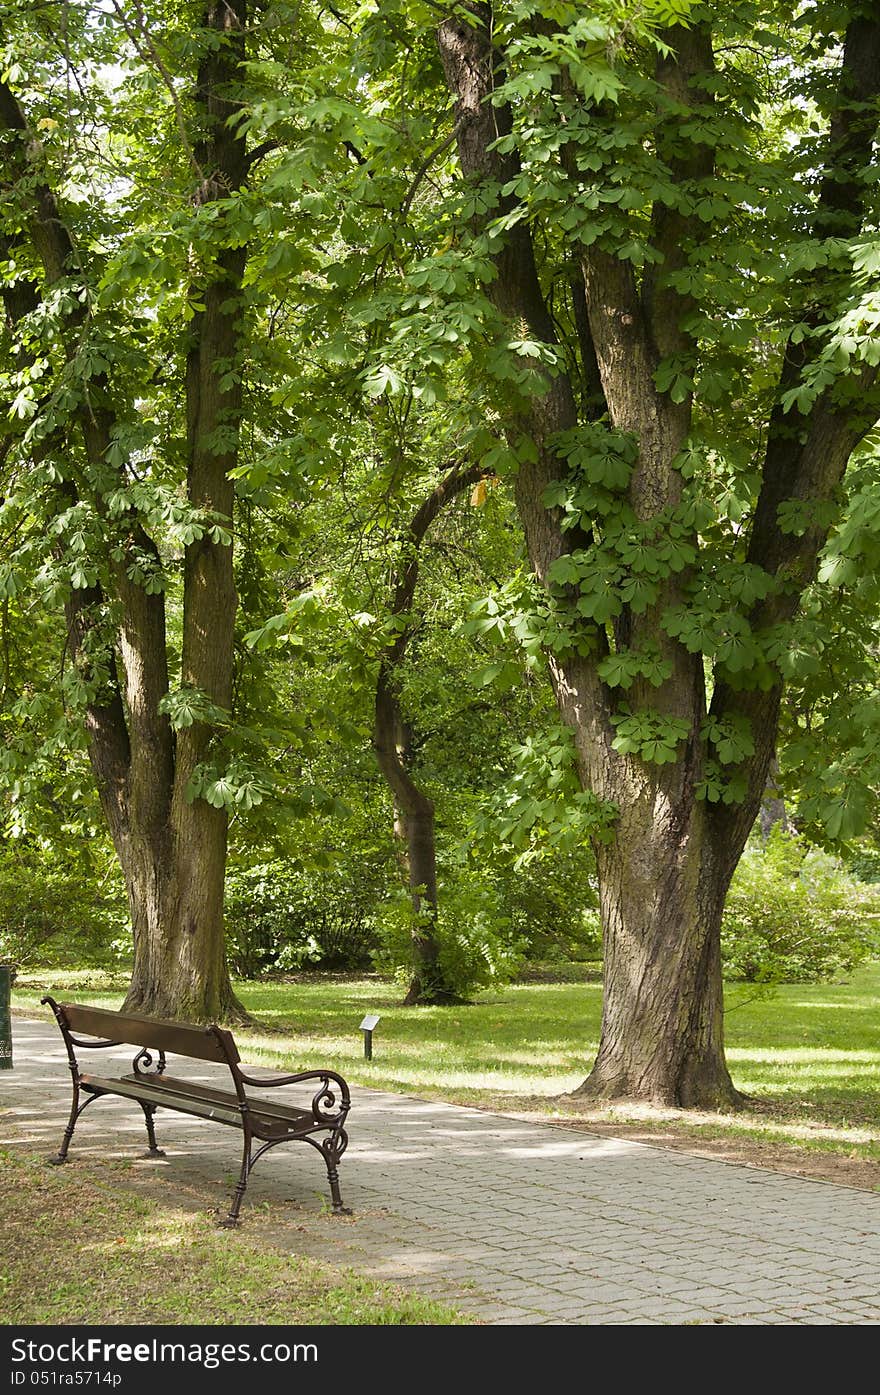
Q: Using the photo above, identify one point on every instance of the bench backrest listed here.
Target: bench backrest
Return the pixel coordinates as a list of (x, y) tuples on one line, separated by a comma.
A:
[(203, 1043)]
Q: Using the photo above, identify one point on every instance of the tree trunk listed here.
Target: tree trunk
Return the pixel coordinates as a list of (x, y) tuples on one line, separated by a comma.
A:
[(176, 859), (427, 984), (663, 880), (661, 889), (414, 824), (176, 902), (171, 846), (662, 1020), (413, 810)]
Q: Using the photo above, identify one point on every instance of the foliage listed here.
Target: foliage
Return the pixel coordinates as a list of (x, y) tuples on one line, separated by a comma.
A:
[(865, 864), (793, 915), (280, 918), (476, 946), (56, 908), (553, 904)]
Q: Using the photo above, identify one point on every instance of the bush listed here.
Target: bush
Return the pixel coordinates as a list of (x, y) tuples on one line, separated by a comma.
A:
[(794, 916), (279, 917), (496, 914), (553, 904), (476, 941), (865, 865), (57, 909)]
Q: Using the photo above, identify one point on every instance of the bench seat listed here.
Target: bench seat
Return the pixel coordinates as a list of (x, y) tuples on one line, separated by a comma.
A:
[(189, 1097)]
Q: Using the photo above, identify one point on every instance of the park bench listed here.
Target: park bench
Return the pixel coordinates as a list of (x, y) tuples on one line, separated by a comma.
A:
[(321, 1124)]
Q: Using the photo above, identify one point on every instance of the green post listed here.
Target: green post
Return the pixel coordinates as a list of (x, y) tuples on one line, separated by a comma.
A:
[(7, 974)]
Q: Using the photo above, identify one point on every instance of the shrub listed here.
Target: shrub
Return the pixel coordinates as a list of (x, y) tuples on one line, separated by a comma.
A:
[(57, 909), (865, 865), (794, 916), (477, 944), (281, 917), (553, 904), (497, 913)]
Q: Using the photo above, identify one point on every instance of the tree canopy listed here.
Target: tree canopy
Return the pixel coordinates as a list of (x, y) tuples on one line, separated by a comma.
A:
[(273, 273)]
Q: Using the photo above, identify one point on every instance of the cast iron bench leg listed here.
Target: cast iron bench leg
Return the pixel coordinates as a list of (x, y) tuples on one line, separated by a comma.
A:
[(331, 1157), (61, 1156), (76, 1110), (154, 1151), (240, 1186)]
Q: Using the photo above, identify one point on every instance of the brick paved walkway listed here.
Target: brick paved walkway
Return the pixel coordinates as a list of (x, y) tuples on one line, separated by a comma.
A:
[(514, 1222)]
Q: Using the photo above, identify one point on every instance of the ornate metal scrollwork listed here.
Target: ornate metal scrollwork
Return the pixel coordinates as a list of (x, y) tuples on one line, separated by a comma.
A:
[(145, 1063), (324, 1105)]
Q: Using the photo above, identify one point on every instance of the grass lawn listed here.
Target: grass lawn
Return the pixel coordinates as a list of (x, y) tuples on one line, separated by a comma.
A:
[(135, 1260), (810, 1057)]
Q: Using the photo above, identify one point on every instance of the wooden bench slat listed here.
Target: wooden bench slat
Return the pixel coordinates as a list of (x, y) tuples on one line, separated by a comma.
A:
[(275, 1121), (138, 1090), (177, 1037), (191, 1089), (204, 1108), (178, 1085)]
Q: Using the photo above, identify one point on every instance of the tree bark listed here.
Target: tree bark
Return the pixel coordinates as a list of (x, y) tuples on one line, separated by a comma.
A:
[(414, 810), (414, 826), (179, 969), (662, 895), (180, 957)]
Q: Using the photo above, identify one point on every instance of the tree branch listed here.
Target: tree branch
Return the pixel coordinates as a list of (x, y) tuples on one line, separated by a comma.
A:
[(142, 641), (423, 170), (388, 722), (678, 75), (807, 453), (633, 330), (471, 66), (148, 53), (260, 152)]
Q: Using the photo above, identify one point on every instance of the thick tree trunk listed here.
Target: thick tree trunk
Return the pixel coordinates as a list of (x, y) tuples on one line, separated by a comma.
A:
[(176, 903), (171, 847), (665, 874), (661, 893), (662, 1019), (663, 879), (175, 861)]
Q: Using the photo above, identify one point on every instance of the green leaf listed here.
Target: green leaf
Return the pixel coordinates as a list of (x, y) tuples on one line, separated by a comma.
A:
[(186, 706)]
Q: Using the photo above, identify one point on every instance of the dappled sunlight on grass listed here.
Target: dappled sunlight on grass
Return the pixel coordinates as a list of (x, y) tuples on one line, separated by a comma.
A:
[(168, 1234), (139, 1259), (869, 1006), (780, 1124), (809, 1057)]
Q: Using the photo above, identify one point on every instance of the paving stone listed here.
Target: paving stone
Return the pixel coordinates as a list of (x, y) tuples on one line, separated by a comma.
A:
[(516, 1223)]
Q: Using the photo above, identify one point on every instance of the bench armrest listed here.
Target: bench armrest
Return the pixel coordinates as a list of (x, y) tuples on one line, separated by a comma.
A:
[(325, 1108)]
